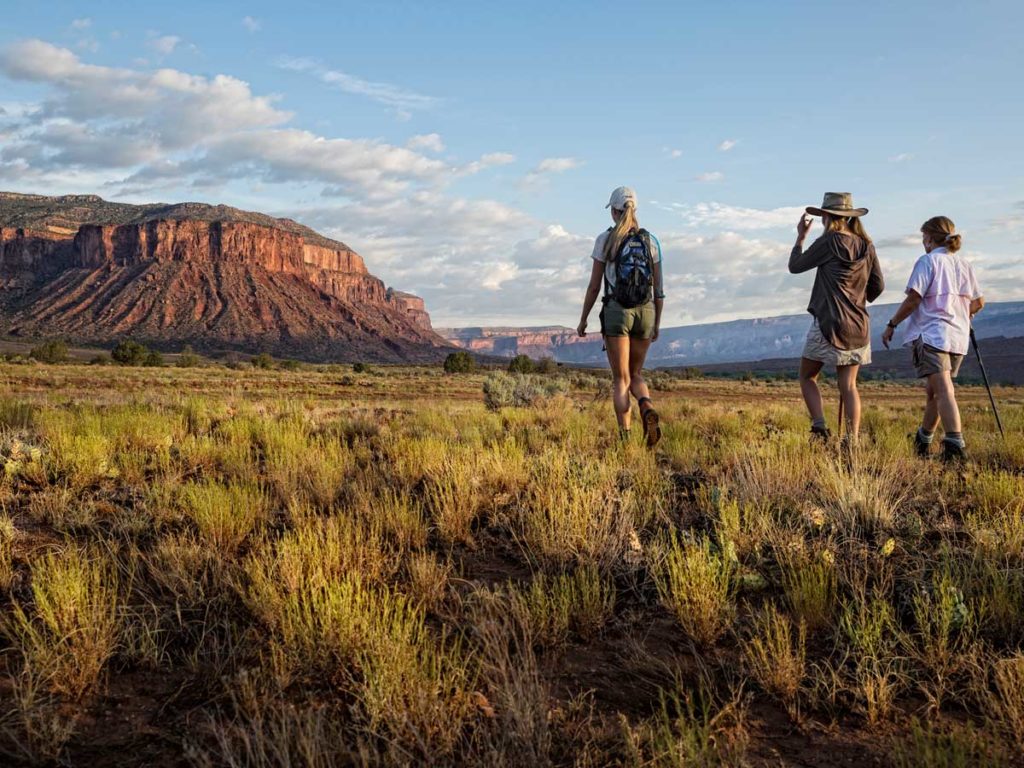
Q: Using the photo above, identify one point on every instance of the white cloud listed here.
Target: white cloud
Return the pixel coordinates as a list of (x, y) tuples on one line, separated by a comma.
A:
[(400, 99), (164, 44), (557, 165), (902, 157), (167, 126), (428, 141), (675, 153), (709, 176), (899, 241), (252, 24), (81, 24), (489, 160), (720, 215), (550, 165), (728, 144)]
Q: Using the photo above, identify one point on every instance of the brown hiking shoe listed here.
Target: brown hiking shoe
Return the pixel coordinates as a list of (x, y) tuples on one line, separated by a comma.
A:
[(652, 426)]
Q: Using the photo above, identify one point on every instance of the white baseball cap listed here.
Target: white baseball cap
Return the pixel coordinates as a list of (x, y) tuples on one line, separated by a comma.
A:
[(620, 196)]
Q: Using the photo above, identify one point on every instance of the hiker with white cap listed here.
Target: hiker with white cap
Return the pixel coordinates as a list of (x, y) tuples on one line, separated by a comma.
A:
[(848, 277), (627, 259), (942, 297)]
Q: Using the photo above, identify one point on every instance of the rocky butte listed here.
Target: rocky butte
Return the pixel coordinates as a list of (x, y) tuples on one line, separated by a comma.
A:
[(217, 278)]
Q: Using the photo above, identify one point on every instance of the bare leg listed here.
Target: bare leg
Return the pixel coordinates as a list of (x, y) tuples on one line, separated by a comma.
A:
[(931, 408), (809, 370), (637, 354), (847, 375), (618, 359), (945, 401)]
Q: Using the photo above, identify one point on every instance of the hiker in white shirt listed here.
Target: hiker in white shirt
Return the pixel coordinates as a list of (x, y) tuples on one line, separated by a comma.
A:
[(942, 297)]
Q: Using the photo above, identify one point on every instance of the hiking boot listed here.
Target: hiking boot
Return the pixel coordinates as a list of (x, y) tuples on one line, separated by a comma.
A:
[(921, 448), (820, 435), (652, 426), (953, 453)]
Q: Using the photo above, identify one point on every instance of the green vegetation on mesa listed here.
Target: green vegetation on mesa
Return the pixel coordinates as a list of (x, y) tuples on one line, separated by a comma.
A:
[(247, 567)]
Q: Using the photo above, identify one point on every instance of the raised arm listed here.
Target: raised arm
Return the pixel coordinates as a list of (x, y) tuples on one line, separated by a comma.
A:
[(802, 261)]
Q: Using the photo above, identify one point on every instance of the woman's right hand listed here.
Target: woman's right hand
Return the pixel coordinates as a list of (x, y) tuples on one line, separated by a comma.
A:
[(802, 226), (581, 329)]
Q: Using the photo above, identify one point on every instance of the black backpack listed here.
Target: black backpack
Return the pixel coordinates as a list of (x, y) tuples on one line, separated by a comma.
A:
[(634, 271)]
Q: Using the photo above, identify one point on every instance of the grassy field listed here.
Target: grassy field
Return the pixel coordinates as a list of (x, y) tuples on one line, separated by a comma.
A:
[(216, 567)]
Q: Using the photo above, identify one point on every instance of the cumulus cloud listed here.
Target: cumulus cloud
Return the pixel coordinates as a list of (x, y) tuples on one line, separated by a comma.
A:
[(167, 125), (709, 176), (727, 144), (164, 44), (902, 157), (251, 24), (400, 99), (430, 142), (551, 165), (720, 215), (898, 241)]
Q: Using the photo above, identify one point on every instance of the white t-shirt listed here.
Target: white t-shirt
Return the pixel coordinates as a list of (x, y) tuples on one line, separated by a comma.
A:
[(609, 269), (946, 284)]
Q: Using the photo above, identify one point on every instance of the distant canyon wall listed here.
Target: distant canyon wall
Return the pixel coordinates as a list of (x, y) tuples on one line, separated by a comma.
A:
[(27, 256)]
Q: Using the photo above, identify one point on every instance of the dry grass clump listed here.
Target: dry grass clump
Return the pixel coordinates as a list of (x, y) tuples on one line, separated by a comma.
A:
[(570, 512), (73, 625), (776, 656), (581, 601), (225, 515), (695, 584), (690, 728)]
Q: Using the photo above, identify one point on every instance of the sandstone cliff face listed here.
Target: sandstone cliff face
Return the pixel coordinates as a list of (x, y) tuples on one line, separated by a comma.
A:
[(26, 254), (250, 283)]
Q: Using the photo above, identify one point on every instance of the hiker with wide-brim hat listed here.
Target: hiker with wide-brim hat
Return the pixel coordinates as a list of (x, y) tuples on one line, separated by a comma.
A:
[(942, 298), (627, 260), (848, 277)]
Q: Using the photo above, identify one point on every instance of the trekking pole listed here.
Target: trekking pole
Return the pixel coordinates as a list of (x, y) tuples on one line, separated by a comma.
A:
[(984, 377)]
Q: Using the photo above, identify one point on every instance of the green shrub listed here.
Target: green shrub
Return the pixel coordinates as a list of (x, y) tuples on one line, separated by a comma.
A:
[(520, 364), (187, 358), (290, 365), (506, 390), (546, 366), (459, 362), (363, 368), (263, 361), (100, 360), (153, 359), (53, 351), (129, 352)]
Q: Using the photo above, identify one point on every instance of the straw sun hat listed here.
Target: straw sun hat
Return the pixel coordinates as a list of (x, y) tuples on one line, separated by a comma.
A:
[(837, 204)]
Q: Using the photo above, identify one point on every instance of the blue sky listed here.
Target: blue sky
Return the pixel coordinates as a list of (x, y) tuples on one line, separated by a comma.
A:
[(467, 149)]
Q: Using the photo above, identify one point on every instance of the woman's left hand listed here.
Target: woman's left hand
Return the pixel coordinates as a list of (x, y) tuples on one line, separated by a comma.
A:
[(654, 336), (581, 329), (887, 335)]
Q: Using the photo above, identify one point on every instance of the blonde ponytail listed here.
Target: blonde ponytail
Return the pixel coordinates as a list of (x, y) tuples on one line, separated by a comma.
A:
[(624, 227)]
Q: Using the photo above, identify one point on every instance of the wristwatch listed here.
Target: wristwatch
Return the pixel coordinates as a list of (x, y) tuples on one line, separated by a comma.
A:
[(891, 324)]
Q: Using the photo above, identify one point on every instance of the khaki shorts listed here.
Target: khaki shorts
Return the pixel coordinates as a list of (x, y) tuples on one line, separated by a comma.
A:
[(635, 322), (929, 360), (819, 349)]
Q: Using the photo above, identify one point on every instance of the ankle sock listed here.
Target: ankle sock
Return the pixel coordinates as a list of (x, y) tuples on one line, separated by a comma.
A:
[(956, 438), (818, 424), (924, 436)]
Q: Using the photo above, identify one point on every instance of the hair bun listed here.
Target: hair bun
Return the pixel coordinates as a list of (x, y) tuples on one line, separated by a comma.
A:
[(951, 236)]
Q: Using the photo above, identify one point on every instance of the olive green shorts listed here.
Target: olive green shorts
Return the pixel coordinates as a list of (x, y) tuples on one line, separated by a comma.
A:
[(636, 322), (929, 360)]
